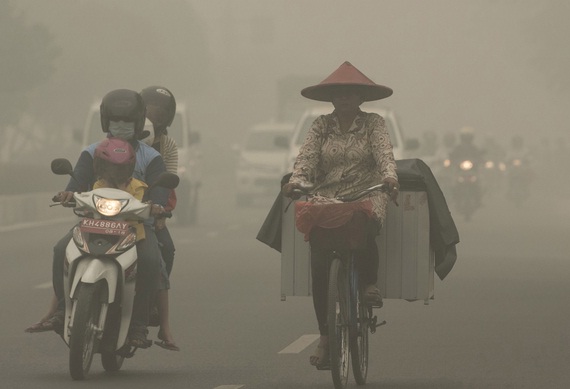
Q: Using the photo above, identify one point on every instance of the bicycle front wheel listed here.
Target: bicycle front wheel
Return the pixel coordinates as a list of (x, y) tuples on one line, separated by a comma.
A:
[(359, 338), (338, 323)]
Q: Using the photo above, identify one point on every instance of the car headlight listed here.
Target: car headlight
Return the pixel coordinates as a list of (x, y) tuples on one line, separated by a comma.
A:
[(517, 162), (489, 165), (109, 207), (466, 165), (447, 163)]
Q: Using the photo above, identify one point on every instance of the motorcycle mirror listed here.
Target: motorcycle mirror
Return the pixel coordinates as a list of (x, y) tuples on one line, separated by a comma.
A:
[(167, 180), (61, 166)]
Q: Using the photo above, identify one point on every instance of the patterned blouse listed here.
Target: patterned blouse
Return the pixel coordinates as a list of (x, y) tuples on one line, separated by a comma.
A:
[(342, 163)]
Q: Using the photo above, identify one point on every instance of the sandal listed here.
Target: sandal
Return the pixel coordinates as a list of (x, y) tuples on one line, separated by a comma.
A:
[(371, 295), (320, 358), (52, 323), (166, 344), (137, 337)]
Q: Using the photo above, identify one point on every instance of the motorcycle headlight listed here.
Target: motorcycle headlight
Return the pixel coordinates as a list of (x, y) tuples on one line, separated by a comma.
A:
[(109, 207), (466, 165)]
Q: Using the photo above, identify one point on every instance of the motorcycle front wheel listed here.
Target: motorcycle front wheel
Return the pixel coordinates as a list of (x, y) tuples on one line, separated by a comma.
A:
[(83, 342)]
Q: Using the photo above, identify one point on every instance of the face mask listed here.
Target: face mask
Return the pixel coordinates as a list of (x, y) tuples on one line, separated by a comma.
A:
[(123, 130)]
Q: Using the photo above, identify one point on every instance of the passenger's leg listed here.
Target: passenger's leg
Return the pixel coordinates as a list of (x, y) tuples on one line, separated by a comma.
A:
[(167, 248), (148, 271), (57, 268)]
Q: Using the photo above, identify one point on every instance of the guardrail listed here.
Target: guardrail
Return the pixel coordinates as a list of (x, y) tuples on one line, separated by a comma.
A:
[(29, 209)]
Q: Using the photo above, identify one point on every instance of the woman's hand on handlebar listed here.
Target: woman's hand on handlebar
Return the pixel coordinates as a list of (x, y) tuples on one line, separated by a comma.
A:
[(393, 189), (288, 190)]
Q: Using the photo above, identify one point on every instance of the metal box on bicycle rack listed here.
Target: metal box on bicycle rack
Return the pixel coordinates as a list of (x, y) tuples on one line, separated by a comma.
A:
[(406, 269)]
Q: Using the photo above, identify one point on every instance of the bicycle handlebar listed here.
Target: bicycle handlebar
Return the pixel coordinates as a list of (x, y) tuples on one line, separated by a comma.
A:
[(357, 196)]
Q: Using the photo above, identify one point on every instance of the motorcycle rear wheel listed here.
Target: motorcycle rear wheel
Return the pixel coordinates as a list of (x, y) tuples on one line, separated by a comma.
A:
[(83, 342)]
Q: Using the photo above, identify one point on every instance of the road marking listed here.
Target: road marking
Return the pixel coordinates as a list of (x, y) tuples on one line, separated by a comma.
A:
[(45, 285), (229, 387), (300, 344), (25, 225)]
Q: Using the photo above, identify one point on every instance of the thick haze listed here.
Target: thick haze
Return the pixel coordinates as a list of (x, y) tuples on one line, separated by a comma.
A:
[(451, 63)]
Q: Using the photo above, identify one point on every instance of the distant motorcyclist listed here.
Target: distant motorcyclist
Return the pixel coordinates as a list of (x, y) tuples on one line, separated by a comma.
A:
[(466, 148), (465, 161), (519, 171)]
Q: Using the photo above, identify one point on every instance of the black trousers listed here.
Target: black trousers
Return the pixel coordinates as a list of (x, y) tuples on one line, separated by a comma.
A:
[(366, 264)]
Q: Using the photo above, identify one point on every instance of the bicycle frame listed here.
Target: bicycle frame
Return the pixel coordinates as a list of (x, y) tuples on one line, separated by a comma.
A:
[(348, 318)]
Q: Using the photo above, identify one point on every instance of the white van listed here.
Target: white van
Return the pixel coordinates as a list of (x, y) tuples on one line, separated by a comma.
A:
[(189, 158), (260, 160), (399, 142)]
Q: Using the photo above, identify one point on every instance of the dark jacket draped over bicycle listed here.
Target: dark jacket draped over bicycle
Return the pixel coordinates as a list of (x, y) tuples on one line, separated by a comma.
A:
[(413, 175)]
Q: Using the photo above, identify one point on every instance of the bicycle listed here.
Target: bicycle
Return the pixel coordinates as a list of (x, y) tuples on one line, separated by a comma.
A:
[(349, 318)]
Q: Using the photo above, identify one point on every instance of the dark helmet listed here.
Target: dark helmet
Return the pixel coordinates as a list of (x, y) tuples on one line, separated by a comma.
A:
[(114, 160), (467, 134), (161, 105), (123, 105)]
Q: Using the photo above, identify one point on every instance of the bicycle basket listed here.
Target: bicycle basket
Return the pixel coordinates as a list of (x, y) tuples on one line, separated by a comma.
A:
[(334, 226)]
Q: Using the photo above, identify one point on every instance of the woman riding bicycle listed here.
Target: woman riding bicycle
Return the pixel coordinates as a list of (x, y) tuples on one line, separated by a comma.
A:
[(345, 152)]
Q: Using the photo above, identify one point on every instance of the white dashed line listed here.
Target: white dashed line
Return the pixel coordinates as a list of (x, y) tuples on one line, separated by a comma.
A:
[(45, 285), (229, 387), (300, 344)]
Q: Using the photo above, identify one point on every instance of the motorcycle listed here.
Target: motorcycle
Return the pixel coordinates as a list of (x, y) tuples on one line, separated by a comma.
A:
[(466, 190), (493, 175), (100, 273), (519, 178)]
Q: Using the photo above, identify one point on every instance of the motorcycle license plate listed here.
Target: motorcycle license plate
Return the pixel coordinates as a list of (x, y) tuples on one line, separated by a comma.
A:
[(106, 227)]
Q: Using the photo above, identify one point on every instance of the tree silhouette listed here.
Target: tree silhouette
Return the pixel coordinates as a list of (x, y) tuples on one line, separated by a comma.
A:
[(28, 54)]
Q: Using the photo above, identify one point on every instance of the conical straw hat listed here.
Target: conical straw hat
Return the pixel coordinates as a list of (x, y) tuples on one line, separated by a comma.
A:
[(347, 76)]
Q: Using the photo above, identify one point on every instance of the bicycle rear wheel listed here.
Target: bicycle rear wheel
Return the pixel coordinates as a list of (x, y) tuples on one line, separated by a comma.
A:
[(338, 323), (359, 337)]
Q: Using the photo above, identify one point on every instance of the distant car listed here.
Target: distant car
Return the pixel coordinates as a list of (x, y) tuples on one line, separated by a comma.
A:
[(260, 161), (400, 144), (189, 158)]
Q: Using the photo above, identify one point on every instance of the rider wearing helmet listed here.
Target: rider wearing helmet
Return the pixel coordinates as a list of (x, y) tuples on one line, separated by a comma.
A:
[(160, 110), (122, 116), (466, 148)]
